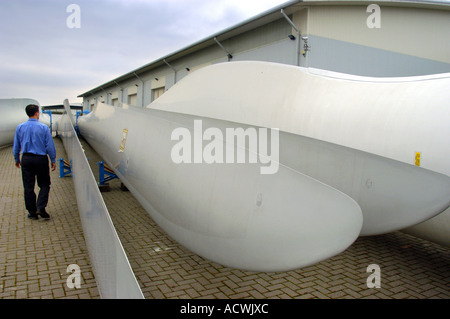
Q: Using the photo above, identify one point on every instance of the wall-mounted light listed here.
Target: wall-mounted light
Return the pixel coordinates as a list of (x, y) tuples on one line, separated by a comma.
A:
[(292, 37)]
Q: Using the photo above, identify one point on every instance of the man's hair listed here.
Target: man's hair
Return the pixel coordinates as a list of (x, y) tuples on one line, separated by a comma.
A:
[(31, 109)]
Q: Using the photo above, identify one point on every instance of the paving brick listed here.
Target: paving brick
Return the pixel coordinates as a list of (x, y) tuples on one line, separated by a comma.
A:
[(34, 250), (34, 256)]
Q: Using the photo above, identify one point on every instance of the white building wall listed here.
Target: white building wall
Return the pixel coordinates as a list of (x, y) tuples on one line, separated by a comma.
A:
[(410, 41), (410, 31)]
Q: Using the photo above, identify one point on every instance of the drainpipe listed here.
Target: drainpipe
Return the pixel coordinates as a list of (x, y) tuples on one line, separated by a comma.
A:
[(223, 48), (106, 95), (95, 99), (298, 35), (142, 88), (173, 69), (121, 93)]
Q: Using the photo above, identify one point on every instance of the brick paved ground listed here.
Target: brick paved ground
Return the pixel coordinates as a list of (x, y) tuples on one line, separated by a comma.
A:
[(34, 256)]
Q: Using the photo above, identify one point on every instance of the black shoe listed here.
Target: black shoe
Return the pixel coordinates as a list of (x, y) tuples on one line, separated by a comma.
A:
[(43, 214), (33, 216)]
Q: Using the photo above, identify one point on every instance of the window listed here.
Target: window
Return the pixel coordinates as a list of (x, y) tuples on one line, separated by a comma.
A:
[(132, 99), (132, 92), (158, 86), (158, 92)]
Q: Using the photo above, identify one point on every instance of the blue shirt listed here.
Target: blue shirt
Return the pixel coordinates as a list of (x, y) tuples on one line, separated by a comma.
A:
[(33, 137)]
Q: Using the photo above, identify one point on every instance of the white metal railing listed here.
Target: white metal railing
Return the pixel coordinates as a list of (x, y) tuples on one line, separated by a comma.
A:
[(113, 273)]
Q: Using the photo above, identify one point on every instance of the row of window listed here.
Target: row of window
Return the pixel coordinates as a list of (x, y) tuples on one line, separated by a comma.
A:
[(132, 98)]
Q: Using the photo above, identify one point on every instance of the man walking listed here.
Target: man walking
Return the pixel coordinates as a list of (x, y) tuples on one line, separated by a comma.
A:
[(35, 141)]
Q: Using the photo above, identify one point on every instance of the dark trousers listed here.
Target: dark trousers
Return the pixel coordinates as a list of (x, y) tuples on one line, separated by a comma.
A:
[(35, 166)]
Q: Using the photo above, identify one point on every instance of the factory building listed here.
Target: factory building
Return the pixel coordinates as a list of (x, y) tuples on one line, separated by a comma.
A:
[(368, 38)]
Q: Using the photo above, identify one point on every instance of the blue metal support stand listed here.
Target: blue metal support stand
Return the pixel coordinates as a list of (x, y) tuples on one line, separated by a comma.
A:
[(110, 175), (64, 168)]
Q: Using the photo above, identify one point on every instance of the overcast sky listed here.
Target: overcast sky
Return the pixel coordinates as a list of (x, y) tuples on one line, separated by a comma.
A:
[(41, 57)]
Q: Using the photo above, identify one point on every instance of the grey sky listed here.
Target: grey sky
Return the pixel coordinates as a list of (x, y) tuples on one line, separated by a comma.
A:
[(42, 58)]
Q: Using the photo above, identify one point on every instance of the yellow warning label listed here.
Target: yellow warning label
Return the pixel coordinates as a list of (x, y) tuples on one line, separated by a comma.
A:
[(417, 161), (124, 140)]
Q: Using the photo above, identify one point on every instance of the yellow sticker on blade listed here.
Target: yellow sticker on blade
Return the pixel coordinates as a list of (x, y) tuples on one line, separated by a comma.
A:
[(124, 140), (417, 162)]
